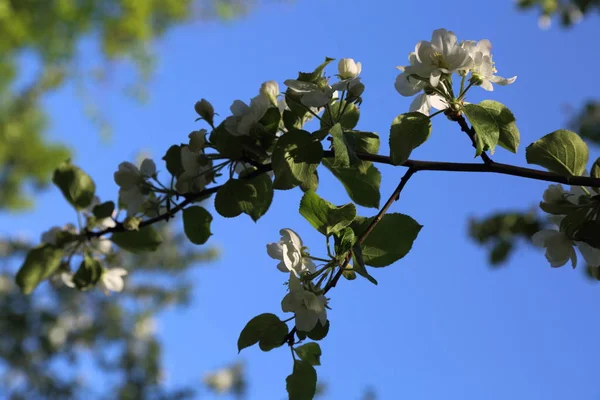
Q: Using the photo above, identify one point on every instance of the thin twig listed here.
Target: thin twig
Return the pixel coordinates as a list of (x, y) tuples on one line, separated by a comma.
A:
[(394, 197)]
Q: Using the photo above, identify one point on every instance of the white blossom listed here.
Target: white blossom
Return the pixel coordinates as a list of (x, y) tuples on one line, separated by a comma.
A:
[(554, 194), (197, 140), (148, 168), (246, 116), (307, 306), (483, 68), (270, 89), (67, 279), (225, 379), (195, 174), (291, 252), (112, 280), (423, 103), (348, 68), (127, 176), (560, 248), (443, 55)]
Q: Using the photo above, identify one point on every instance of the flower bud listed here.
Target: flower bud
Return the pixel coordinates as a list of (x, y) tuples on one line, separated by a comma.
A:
[(270, 89), (197, 140), (132, 223), (205, 110), (348, 69)]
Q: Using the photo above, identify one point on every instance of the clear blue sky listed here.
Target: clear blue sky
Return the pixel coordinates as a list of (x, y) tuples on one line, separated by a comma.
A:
[(441, 324)]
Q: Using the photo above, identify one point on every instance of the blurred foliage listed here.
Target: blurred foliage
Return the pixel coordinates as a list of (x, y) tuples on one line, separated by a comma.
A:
[(502, 232), (49, 33), (587, 122), (568, 11), (54, 344)]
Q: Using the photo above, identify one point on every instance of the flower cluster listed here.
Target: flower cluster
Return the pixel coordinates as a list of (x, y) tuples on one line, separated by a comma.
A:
[(309, 306), (433, 63), (133, 184), (559, 242)]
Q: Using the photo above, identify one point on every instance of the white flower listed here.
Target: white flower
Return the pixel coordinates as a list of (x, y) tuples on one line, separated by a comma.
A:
[(67, 279), (443, 55), (225, 379), (483, 67), (127, 176), (307, 306), (559, 247), (291, 253), (544, 21), (554, 194), (245, 117), (112, 280), (148, 168), (197, 140), (423, 103), (101, 245), (55, 233), (144, 328), (270, 90), (348, 68), (195, 172), (132, 199)]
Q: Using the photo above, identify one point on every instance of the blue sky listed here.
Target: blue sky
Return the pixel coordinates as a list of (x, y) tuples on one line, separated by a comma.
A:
[(441, 324)]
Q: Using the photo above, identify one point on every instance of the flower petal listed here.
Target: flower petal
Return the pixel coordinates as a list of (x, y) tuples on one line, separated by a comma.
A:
[(590, 254)]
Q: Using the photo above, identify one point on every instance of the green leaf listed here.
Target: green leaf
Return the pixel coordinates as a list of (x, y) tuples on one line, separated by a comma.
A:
[(340, 148), (319, 332), (362, 187), (309, 352), (295, 159), (228, 145), (77, 186), (40, 262), (390, 240), (302, 383), (344, 241), (562, 152), (488, 132), (316, 74), (509, 133), (270, 121), (104, 210), (173, 160), (363, 142), (312, 183), (265, 327), (249, 196), (324, 216), (196, 224), (408, 132), (274, 336), (89, 272), (145, 239), (358, 264), (348, 120)]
